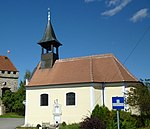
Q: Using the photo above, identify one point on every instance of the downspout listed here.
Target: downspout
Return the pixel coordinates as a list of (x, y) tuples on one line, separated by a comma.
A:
[(103, 93)]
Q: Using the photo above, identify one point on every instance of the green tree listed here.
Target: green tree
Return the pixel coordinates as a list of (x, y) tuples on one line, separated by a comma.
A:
[(19, 97), (14, 101), (8, 100), (146, 82), (27, 75), (139, 97)]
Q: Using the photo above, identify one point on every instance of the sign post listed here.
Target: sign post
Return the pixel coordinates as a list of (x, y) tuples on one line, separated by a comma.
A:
[(118, 121), (118, 104)]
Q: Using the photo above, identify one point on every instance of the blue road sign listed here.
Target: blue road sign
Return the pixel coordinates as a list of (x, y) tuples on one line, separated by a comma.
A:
[(118, 103)]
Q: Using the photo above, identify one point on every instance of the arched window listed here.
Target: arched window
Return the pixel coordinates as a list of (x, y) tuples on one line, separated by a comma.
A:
[(44, 100), (70, 98)]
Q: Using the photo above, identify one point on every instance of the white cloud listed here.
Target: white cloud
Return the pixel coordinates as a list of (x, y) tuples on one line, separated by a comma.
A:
[(119, 5), (88, 1), (112, 2), (138, 16)]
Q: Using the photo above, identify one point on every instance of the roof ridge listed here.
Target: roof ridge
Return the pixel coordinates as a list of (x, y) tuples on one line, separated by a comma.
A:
[(114, 60), (91, 70), (125, 70), (87, 57)]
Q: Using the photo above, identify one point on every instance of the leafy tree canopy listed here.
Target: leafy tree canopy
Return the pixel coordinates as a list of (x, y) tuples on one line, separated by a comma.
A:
[(139, 97), (14, 100)]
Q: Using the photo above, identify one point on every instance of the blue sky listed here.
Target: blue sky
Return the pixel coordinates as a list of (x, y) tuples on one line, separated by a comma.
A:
[(84, 27)]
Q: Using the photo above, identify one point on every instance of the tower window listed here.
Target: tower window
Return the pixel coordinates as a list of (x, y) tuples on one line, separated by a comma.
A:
[(14, 72), (3, 71), (44, 100), (70, 98)]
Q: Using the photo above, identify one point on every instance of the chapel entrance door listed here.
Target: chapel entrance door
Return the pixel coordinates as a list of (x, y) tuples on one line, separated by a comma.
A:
[(57, 112)]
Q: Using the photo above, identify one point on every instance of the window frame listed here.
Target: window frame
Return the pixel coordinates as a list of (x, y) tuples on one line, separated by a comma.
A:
[(3, 72), (73, 98), (44, 99)]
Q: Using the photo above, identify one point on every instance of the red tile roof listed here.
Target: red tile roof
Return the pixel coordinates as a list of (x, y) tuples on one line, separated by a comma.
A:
[(98, 68), (6, 64)]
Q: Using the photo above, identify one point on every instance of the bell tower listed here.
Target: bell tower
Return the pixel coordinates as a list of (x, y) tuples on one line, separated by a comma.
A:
[(49, 45)]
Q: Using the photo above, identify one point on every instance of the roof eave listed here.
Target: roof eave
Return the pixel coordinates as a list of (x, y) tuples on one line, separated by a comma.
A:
[(37, 85)]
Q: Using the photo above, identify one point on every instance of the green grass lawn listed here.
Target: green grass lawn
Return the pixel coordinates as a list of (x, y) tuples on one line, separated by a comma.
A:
[(11, 115), (26, 128)]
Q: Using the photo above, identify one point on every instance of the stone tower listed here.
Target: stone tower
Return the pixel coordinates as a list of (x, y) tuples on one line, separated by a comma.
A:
[(8, 75)]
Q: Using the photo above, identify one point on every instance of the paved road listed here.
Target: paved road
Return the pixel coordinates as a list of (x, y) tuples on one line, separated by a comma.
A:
[(11, 123)]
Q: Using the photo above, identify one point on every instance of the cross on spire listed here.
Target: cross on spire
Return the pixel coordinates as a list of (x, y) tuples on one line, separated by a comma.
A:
[(49, 14)]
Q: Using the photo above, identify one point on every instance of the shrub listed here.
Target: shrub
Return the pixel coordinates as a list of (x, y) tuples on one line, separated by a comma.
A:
[(92, 123), (110, 118), (72, 126), (127, 121), (102, 113), (112, 121), (63, 124)]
